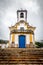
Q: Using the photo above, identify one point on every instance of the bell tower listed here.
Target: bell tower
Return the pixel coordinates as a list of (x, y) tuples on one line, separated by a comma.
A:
[(21, 15)]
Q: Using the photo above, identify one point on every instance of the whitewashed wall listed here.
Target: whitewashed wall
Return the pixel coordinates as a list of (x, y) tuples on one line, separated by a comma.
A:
[(22, 25)]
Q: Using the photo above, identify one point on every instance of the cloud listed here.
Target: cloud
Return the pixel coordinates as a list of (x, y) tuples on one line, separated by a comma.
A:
[(40, 3), (8, 15)]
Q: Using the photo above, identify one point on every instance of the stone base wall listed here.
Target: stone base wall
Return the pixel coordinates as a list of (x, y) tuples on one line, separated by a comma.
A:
[(31, 45), (21, 56)]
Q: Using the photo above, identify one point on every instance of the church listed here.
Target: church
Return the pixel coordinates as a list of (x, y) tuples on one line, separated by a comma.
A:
[(22, 34), (21, 47)]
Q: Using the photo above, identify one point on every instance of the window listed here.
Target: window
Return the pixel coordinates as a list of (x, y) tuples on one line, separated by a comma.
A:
[(22, 28), (21, 15)]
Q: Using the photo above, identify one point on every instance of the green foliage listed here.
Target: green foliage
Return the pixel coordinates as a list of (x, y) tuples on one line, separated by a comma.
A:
[(39, 44), (3, 41)]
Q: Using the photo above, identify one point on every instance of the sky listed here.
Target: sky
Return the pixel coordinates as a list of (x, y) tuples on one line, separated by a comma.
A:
[(8, 16)]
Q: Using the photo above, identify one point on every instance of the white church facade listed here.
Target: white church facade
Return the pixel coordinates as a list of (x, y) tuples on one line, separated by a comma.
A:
[(22, 34)]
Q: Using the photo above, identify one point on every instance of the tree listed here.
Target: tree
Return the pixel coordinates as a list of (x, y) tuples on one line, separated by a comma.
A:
[(39, 44), (3, 41)]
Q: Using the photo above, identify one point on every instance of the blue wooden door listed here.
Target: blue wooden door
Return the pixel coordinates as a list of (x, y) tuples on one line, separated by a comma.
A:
[(22, 40)]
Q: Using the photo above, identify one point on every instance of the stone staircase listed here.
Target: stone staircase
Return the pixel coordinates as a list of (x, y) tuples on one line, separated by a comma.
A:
[(21, 56)]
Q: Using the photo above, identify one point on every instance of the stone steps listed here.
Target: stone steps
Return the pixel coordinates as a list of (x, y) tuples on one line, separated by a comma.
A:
[(19, 56)]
